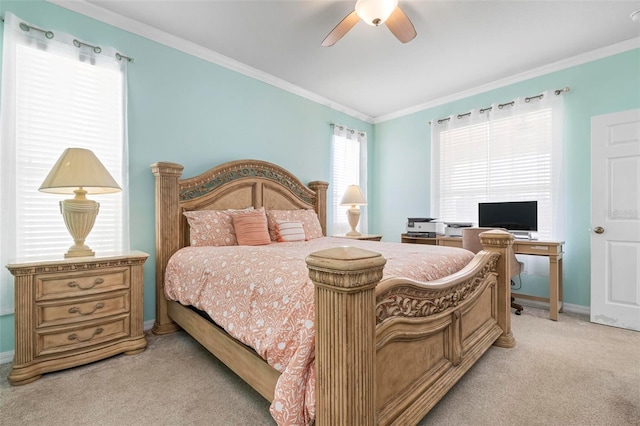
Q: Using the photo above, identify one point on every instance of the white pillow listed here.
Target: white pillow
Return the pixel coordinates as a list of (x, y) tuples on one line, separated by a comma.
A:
[(289, 231)]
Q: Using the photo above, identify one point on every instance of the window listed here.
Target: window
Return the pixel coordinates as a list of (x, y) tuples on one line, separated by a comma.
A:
[(349, 167), (55, 96), (511, 152)]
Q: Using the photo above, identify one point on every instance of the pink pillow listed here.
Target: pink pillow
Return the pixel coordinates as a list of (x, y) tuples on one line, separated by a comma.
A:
[(289, 231), (308, 218), (213, 227), (251, 229)]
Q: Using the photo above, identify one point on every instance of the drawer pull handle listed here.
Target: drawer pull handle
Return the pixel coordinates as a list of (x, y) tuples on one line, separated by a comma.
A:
[(74, 336), (76, 310), (95, 283)]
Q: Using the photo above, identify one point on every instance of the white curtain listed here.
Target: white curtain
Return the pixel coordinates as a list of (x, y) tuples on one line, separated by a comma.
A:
[(57, 92), (511, 151), (349, 167)]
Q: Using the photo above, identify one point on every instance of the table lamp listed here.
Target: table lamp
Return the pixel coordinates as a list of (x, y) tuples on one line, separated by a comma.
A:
[(78, 171), (353, 197)]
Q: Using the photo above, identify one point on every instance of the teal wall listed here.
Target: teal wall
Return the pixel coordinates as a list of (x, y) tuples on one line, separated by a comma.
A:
[(190, 111), (193, 112), (403, 148)]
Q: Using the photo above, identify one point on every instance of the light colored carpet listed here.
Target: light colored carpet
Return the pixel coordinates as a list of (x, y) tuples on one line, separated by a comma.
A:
[(569, 372)]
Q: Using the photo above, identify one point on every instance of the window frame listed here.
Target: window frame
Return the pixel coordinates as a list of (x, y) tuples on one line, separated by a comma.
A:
[(502, 138), (347, 171)]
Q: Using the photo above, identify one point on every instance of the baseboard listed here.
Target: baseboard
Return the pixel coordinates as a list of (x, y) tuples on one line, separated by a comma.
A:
[(566, 307), (7, 357), (148, 325)]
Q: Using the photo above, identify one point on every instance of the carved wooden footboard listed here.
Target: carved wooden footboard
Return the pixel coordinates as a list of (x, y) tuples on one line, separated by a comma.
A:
[(386, 351)]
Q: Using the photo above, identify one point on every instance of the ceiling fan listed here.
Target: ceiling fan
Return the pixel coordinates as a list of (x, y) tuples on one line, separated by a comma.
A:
[(375, 12)]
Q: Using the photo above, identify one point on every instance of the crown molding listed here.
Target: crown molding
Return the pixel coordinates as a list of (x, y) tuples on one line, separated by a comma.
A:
[(593, 55), (162, 37)]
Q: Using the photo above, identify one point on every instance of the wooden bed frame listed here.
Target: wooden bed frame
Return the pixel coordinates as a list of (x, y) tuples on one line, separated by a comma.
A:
[(386, 351)]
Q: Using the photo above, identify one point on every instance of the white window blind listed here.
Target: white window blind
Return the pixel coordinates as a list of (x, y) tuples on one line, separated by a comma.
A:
[(61, 97), (63, 103), (349, 162), (509, 155)]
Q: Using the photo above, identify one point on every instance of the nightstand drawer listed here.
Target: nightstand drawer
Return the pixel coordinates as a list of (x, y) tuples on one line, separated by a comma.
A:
[(72, 311), (54, 340), (73, 284)]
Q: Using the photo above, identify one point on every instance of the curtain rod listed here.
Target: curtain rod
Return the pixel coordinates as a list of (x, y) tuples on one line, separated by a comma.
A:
[(500, 106), (77, 43), (341, 127)]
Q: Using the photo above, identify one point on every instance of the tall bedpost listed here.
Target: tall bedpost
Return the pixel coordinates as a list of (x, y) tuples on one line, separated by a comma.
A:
[(500, 242), (345, 279), (320, 202), (167, 231)]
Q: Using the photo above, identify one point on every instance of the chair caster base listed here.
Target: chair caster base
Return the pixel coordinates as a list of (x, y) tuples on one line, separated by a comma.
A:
[(519, 308)]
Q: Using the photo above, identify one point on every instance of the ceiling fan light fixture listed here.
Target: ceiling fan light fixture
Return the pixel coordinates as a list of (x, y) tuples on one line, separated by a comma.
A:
[(375, 12)]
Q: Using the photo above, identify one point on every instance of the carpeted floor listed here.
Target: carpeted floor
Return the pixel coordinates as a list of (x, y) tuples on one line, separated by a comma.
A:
[(569, 372)]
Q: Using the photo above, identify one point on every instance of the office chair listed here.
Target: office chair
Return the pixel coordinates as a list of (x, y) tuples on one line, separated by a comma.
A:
[(471, 242)]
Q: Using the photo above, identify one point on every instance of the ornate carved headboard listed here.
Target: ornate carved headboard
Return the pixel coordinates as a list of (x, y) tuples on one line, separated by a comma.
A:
[(233, 185)]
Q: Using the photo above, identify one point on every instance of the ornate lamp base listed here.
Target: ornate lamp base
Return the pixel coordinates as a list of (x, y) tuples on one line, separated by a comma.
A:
[(79, 215), (353, 214)]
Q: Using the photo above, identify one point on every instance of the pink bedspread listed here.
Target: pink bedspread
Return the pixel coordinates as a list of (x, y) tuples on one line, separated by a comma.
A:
[(263, 297)]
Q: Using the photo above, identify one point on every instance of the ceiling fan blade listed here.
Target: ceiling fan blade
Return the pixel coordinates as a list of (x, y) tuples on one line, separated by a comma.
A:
[(341, 29), (400, 25)]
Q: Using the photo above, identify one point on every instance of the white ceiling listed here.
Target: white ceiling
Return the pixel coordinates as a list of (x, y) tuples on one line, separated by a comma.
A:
[(460, 44)]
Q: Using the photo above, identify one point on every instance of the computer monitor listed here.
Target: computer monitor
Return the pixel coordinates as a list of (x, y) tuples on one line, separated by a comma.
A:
[(511, 215)]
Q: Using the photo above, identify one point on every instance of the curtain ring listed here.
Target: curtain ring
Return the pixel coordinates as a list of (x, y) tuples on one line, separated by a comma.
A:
[(121, 57), (540, 96), (26, 28), (77, 43)]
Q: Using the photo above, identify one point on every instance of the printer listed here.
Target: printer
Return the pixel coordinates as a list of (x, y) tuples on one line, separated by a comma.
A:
[(454, 229), (424, 227)]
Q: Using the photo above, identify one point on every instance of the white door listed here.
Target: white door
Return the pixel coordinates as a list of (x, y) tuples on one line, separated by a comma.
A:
[(615, 219)]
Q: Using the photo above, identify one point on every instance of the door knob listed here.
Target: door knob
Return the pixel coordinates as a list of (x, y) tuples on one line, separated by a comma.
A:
[(598, 229)]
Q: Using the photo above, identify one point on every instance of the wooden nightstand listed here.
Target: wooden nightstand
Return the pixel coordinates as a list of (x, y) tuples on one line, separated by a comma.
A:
[(70, 312), (361, 237)]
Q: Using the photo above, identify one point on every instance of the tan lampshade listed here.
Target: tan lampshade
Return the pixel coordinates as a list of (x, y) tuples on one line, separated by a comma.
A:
[(78, 167), (353, 197)]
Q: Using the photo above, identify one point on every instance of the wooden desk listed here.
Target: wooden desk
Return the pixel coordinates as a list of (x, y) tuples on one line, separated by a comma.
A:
[(551, 249)]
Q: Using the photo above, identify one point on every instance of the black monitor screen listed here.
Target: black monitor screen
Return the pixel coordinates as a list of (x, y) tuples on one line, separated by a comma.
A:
[(514, 215)]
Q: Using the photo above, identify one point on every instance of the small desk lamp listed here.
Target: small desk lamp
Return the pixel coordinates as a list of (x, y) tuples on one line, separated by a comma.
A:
[(78, 171), (353, 197)]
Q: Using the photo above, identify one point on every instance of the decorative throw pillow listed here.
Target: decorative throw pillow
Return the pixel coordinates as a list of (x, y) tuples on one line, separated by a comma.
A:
[(289, 231), (210, 228), (251, 229), (213, 227), (307, 217)]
